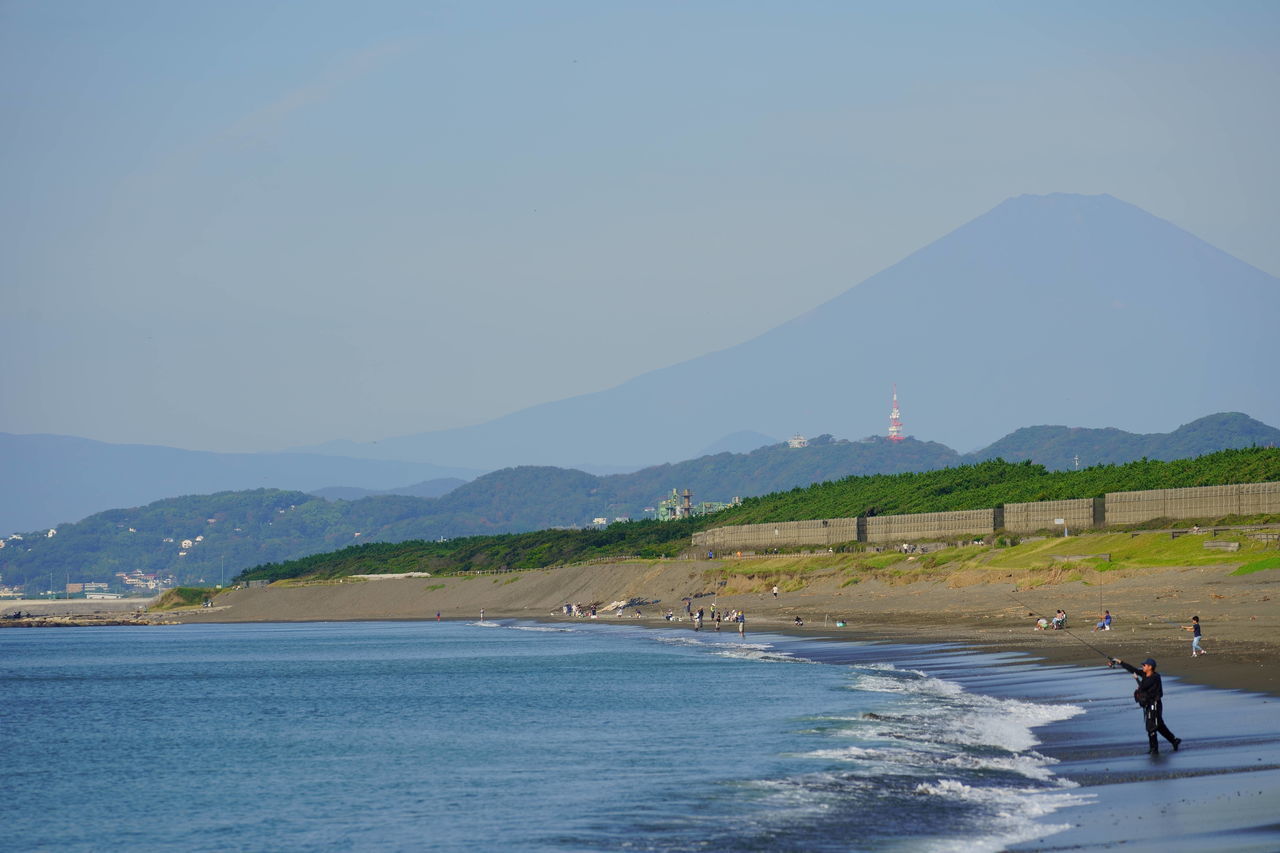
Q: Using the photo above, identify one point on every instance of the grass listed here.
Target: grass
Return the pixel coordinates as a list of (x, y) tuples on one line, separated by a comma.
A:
[(1034, 563), (1258, 566)]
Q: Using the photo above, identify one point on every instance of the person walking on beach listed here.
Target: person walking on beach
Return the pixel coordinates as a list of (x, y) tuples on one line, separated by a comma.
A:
[(742, 624), (1194, 628), (775, 590), (1150, 697)]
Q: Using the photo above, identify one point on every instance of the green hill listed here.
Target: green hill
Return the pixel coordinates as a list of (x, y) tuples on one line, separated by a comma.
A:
[(977, 486), (231, 531)]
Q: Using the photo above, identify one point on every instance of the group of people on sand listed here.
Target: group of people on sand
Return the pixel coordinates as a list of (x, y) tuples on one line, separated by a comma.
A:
[(1057, 623)]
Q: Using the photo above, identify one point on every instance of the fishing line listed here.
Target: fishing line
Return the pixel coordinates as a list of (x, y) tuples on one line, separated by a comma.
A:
[(1067, 630)]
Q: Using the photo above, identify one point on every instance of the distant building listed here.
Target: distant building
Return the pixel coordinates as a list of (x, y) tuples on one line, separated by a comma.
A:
[(797, 440), (682, 506)]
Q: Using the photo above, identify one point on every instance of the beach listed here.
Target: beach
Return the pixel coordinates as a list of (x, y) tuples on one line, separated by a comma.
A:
[(950, 632), (1240, 614)]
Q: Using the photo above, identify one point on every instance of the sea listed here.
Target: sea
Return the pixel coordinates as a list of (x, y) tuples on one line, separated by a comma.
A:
[(486, 735)]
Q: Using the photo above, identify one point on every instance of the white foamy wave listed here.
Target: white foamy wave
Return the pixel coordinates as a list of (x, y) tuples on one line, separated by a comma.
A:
[(874, 761), (947, 712), (758, 654), (1014, 811), (800, 799), (543, 629), (682, 641), (906, 681)]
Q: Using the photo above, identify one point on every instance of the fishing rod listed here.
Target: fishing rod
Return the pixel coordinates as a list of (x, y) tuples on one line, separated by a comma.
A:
[(1034, 612)]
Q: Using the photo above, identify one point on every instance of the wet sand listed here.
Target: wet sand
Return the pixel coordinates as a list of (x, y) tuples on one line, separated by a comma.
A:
[(1240, 615), (1218, 792)]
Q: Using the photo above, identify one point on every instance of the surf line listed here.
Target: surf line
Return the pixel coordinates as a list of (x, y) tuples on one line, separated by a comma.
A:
[(1034, 612)]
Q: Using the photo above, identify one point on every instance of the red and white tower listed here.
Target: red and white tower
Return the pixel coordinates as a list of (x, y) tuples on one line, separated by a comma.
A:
[(895, 419)]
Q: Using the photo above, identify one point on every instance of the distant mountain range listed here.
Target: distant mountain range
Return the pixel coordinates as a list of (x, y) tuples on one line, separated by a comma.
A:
[(47, 480), (238, 530), (428, 489), (1046, 309)]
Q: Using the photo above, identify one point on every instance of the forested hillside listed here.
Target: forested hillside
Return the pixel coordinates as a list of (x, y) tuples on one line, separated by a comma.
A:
[(231, 531), (977, 486), (1063, 448)]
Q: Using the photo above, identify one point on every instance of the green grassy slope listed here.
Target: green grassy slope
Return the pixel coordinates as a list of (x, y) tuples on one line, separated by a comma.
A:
[(977, 486)]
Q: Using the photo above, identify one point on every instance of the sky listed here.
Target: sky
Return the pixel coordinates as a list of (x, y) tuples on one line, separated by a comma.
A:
[(246, 226)]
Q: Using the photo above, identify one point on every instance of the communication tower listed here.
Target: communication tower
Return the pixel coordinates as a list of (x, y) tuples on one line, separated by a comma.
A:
[(895, 419)]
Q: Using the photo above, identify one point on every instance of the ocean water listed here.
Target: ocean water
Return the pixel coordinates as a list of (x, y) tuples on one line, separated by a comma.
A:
[(465, 736)]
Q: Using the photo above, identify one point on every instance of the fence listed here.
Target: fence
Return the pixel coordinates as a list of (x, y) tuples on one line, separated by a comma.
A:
[(1195, 502), (1116, 508)]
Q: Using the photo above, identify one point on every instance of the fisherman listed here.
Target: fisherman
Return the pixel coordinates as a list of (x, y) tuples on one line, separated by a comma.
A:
[(1149, 696)]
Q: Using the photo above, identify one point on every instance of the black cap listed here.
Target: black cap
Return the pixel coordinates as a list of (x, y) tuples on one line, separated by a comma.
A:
[(1151, 662)]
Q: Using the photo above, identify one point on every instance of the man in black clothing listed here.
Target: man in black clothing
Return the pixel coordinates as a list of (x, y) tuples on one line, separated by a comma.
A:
[(1149, 696)]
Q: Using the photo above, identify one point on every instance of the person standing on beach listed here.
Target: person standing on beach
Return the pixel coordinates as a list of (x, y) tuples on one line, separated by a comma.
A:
[(1150, 697), (1194, 628), (742, 624), (775, 590)]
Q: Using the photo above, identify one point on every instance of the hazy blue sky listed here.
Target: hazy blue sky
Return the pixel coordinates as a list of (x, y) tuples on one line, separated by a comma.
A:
[(253, 225)]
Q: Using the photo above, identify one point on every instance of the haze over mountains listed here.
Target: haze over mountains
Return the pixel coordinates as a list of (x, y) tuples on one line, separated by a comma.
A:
[(1061, 308), (51, 479)]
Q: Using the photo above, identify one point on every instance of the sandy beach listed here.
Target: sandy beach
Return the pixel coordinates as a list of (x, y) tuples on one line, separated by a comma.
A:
[(1240, 615)]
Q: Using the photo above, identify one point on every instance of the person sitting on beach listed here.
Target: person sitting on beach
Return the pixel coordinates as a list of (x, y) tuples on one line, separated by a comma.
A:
[(1042, 624), (799, 622), (1059, 619), (1105, 624)]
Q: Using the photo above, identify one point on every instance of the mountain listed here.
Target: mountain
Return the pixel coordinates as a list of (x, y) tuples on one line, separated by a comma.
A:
[(48, 480), (1046, 309), (425, 489), (1058, 447)]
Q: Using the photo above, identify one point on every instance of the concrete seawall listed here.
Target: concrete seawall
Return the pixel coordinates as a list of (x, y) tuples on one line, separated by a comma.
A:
[(1115, 508)]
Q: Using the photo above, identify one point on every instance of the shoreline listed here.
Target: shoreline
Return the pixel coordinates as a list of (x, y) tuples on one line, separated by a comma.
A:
[(1241, 614)]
